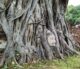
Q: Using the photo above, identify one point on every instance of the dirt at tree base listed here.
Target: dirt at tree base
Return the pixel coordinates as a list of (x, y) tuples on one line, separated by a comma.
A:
[(75, 31)]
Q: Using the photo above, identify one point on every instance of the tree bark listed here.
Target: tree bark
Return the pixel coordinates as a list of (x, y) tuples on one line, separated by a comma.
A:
[(26, 23)]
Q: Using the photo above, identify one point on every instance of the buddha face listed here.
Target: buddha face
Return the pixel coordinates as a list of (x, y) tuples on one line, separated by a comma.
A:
[(51, 38)]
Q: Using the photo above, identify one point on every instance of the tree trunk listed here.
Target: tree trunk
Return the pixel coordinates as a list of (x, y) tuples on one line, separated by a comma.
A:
[(35, 29)]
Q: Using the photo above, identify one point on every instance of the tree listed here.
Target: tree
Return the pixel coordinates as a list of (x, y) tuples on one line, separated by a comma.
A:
[(72, 15), (28, 24)]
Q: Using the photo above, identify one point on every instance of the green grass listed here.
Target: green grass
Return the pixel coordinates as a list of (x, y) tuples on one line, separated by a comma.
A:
[(69, 63)]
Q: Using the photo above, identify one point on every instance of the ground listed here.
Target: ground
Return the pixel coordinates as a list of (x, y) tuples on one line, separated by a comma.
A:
[(69, 63), (75, 30), (72, 62)]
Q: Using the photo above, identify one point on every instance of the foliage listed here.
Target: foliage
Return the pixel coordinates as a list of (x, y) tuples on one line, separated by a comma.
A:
[(73, 14)]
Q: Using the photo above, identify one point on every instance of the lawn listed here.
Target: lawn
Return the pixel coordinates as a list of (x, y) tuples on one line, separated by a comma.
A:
[(69, 63)]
